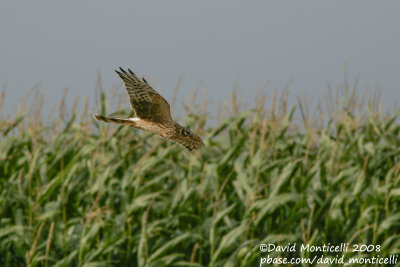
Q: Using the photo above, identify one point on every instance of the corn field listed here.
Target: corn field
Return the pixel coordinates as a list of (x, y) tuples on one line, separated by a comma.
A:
[(77, 192)]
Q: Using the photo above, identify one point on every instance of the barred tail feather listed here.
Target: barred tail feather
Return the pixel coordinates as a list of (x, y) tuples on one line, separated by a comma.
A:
[(100, 117)]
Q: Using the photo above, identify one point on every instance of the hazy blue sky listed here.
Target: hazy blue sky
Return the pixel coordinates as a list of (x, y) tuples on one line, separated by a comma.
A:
[(65, 43)]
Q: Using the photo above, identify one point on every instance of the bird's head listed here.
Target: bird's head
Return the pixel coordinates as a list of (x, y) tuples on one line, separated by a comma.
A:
[(186, 138)]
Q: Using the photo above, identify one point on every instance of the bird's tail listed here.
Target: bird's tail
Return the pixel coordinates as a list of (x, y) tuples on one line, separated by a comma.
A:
[(100, 117)]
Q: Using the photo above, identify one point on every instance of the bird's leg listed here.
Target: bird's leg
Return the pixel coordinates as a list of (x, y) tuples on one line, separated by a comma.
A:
[(100, 117)]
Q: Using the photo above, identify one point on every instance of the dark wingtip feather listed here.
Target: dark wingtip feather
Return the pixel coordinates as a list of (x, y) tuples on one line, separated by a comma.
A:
[(99, 117), (123, 71), (131, 72)]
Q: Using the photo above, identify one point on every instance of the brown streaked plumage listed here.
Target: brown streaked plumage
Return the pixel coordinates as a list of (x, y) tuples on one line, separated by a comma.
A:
[(152, 112)]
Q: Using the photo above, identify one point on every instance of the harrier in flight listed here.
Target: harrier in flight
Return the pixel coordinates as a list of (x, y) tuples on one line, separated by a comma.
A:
[(152, 112)]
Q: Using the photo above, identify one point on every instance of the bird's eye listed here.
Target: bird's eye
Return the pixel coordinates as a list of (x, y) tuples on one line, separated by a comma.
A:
[(185, 132)]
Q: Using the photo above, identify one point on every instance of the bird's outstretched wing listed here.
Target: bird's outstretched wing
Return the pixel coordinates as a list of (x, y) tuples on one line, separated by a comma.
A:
[(147, 103)]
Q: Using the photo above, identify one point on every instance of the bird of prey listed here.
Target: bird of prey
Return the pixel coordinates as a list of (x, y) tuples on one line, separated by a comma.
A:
[(152, 112)]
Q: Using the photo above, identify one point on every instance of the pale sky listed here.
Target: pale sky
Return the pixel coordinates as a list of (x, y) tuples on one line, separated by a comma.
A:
[(65, 43)]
